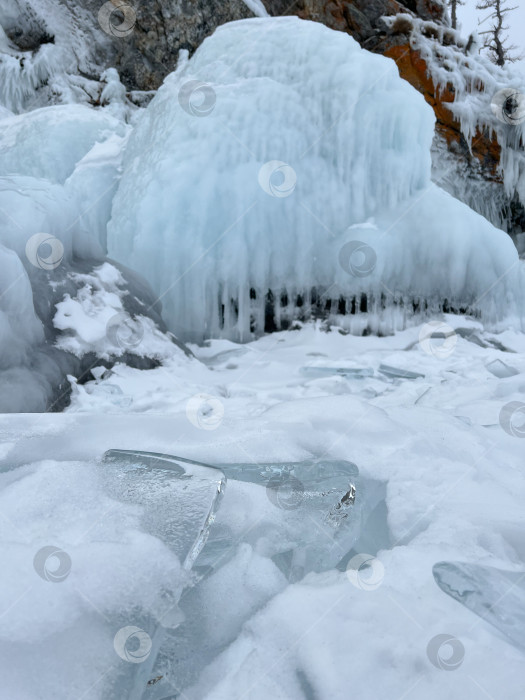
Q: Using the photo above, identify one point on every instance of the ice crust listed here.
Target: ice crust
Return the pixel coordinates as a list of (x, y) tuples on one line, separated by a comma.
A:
[(360, 157)]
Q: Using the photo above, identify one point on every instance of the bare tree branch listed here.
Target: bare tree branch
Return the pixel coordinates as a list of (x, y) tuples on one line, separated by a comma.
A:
[(495, 39)]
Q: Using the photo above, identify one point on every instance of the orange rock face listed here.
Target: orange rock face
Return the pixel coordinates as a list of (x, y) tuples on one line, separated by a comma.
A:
[(413, 68)]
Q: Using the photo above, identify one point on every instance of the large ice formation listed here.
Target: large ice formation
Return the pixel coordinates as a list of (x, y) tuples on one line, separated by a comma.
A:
[(59, 168), (246, 184)]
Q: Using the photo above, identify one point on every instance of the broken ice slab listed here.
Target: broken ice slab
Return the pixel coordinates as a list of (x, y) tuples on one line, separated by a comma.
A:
[(397, 373), (322, 507), (501, 370), (486, 342), (179, 497), (327, 371), (496, 595)]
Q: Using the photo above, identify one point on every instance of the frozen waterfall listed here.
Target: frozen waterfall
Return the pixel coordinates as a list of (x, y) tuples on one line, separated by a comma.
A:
[(294, 180)]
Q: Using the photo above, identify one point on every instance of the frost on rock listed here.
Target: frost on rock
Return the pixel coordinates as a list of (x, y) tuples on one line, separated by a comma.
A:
[(479, 91), (49, 54), (257, 185)]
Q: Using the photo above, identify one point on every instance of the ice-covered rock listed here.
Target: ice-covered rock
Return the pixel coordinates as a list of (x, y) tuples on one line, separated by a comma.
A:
[(64, 306), (477, 154), (270, 204), (56, 51)]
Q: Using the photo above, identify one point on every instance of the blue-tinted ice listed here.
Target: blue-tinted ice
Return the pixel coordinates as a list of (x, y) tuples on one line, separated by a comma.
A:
[(501, 369), (397, 373), (323, 510), (496, 595), (179, 497), (179, 500), (327, 371)]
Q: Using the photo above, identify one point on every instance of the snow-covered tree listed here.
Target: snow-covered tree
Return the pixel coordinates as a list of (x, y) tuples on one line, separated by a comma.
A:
[(495, 38)]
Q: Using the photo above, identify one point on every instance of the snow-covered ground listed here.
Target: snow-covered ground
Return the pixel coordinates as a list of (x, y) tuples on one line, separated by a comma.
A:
[(242, 194), (440, 442)]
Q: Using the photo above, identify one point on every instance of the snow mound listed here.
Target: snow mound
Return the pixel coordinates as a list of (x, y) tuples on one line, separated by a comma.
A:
[(297, 181), (59, 540)]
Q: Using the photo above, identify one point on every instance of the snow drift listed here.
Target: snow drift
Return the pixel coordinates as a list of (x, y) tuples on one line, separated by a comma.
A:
[(296, 181)]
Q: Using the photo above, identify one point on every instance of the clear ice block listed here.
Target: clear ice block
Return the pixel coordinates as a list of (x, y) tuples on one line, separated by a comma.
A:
[(321, 511), (397, 373), (348, 372), (495, 595), (179, 499)]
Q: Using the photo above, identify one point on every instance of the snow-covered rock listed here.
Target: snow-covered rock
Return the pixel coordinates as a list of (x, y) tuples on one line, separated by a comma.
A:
[(64, 307)]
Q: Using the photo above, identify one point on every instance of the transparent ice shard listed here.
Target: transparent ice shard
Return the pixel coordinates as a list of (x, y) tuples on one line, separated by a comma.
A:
[(320, 511), (496, 595), (323, 505), (501, 370), (179, 499), (397, 373), (349, 372), (485, 342)]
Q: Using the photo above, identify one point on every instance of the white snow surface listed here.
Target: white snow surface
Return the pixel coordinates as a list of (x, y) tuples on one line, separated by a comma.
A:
[(302, 138), (99, 304), (453, 480)]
